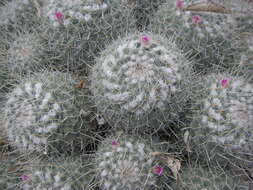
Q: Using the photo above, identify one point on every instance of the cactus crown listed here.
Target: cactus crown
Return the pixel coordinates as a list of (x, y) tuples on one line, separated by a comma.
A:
[(23, 54)]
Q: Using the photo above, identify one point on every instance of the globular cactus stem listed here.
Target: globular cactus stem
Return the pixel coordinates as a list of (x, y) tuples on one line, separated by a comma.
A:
[(125, 162), (46, 112), (224, 115), (137, 81)]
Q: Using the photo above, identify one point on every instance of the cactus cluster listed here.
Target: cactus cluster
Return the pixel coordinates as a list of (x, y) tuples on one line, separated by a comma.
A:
[(125, 162), (45, 112), (138, 78), (224, 113), (63, 174), (126, 94)]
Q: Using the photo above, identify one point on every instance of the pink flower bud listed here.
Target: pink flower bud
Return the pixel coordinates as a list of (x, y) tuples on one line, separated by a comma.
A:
[(158, 170), (224, 82), (24, 177), (58, 16), (114, 143), (196, 19), (145, 40), (179, 4)]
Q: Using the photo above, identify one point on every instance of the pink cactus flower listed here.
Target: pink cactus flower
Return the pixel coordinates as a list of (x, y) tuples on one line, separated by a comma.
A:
[(158, 170), (145, 40), (224, 82), (179, 4), (58, 16), (114, 143), (196, 19), (24, 177)]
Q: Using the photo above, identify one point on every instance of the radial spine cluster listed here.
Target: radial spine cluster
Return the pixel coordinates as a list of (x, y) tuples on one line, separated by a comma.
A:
[(24, 53)]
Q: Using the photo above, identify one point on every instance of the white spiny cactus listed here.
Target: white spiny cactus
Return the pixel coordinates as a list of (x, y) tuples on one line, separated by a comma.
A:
[(44, 112), (124, 162), (224, 113), (137, 76)]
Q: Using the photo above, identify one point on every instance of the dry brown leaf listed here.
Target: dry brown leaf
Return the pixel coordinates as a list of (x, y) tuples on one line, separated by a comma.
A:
[(99, 1), (245, 35), (174, 165), (208, 7), (17, 167), (2, 141), (81, 84), (156, 153)]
